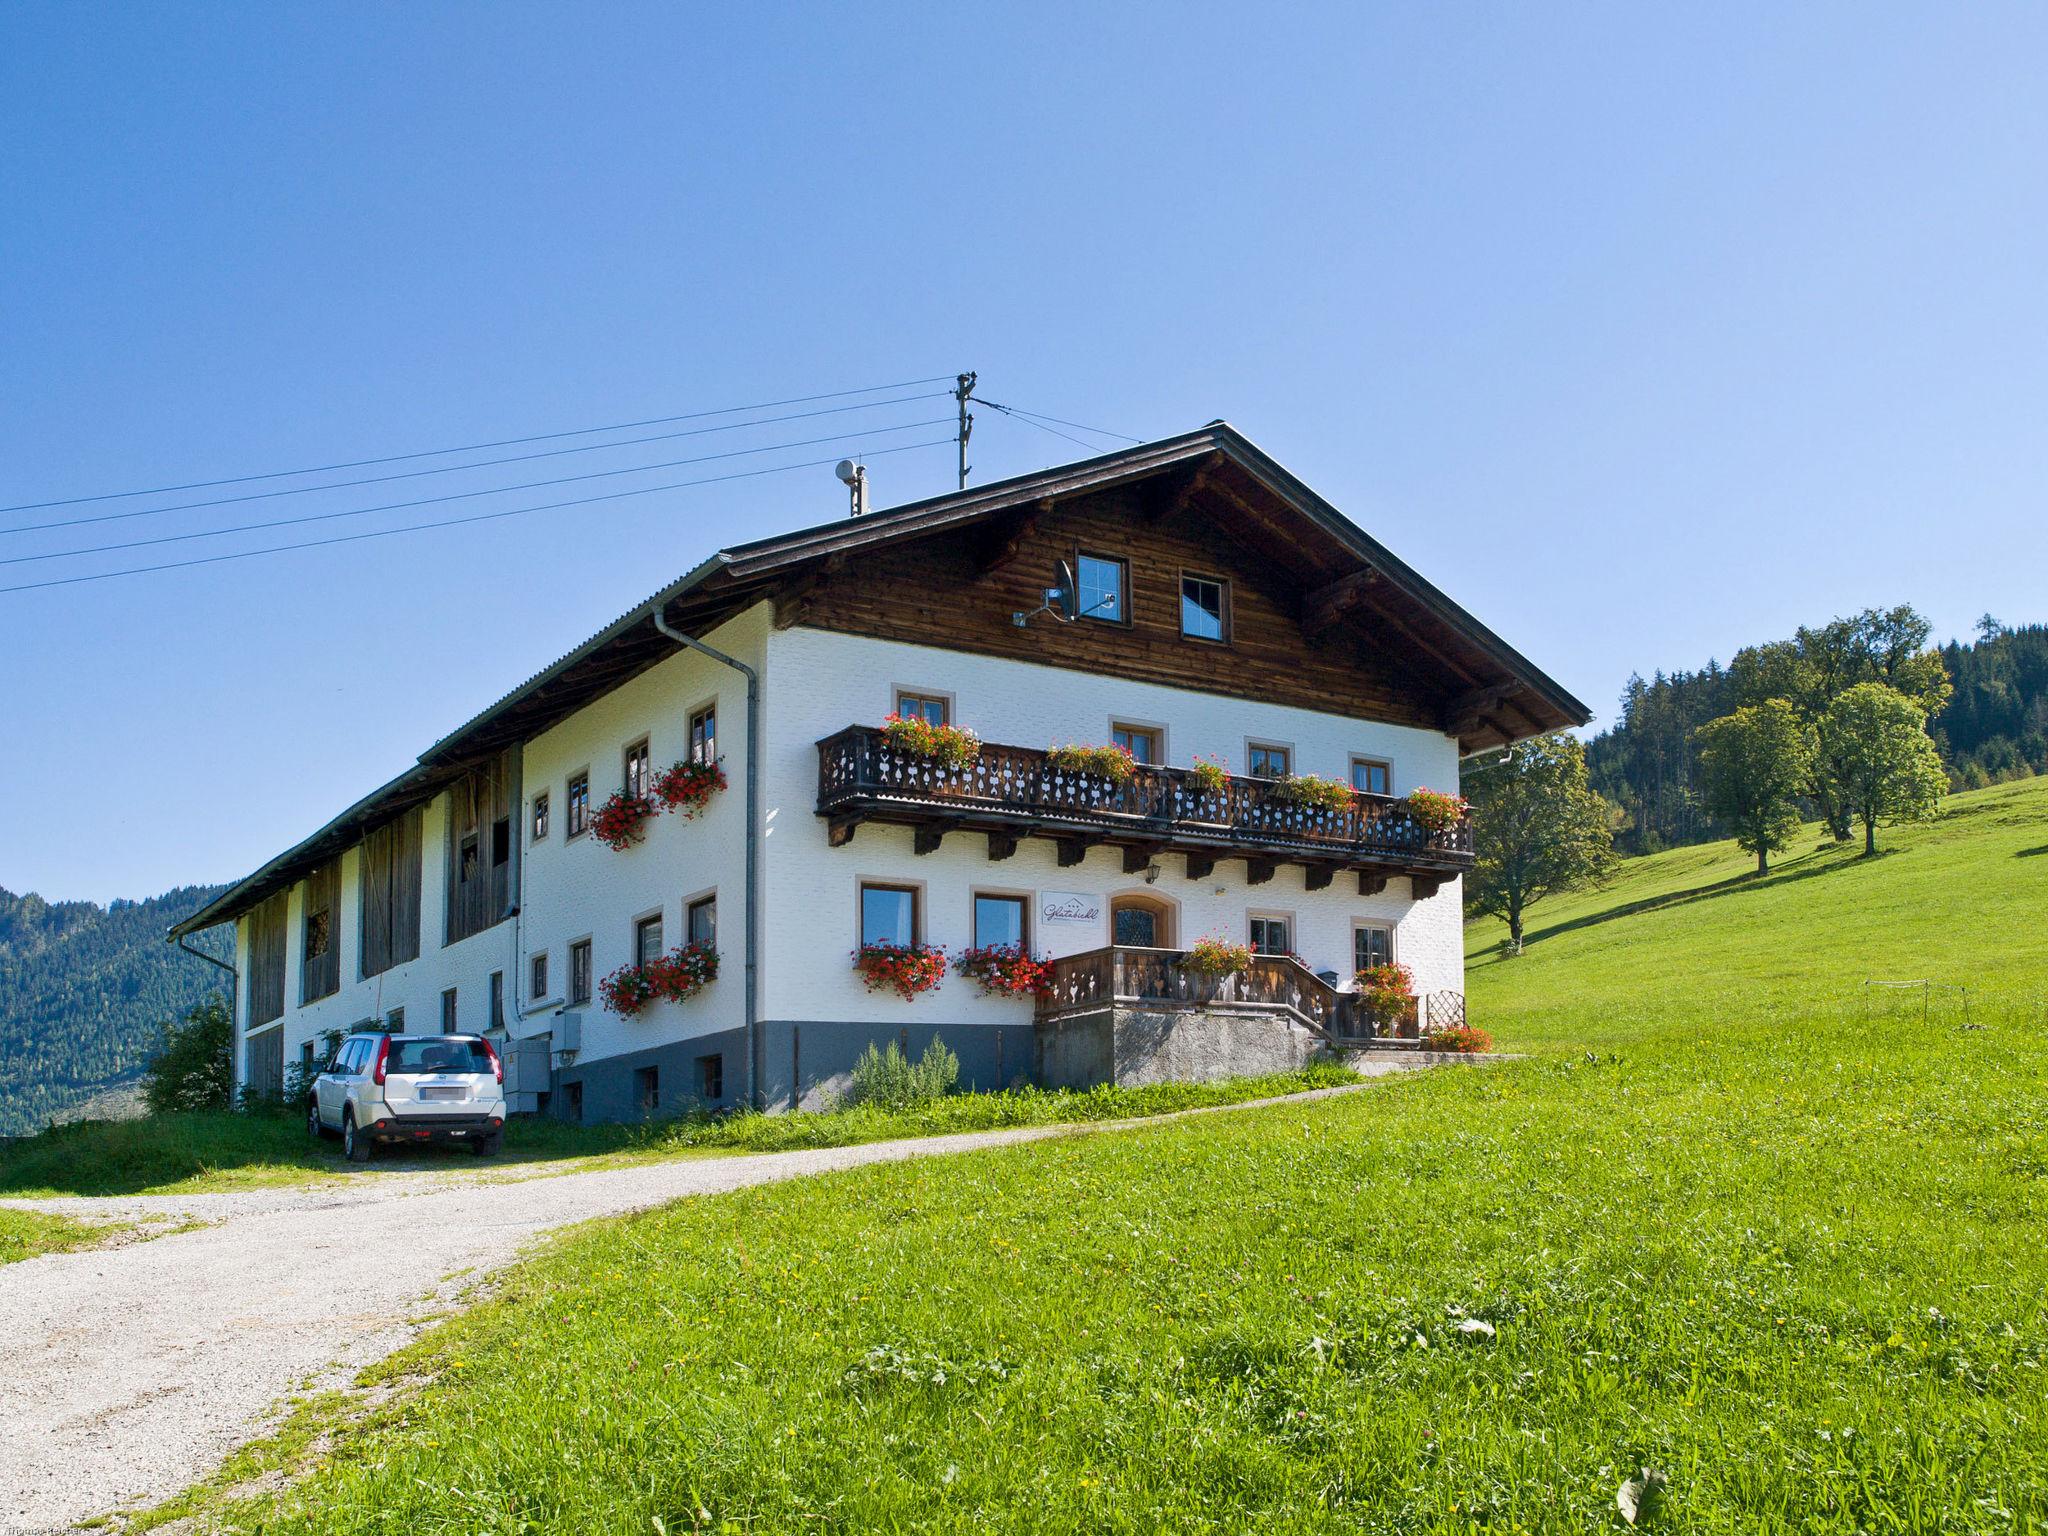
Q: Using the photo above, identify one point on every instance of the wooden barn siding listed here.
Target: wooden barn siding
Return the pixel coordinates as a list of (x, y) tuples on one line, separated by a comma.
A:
[(320, 975), (391, 894), (936, 593), (263, 1062), (266, 960), (476, 803)]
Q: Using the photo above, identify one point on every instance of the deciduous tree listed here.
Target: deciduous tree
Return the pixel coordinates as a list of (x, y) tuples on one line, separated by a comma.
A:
[(195, 1070), (1818, 665), (1538, 827), (1754, 765), (1883, 766)]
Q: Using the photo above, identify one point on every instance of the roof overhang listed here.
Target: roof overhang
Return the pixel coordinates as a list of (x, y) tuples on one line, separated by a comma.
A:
[(1510, 698)]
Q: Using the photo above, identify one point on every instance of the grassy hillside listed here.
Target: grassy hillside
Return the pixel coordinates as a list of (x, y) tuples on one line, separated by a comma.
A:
[(83, 989), (1732, 1221)]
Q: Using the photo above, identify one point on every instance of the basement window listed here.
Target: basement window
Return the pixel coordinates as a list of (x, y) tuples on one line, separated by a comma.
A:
[(711, 1078), (647, 1089)]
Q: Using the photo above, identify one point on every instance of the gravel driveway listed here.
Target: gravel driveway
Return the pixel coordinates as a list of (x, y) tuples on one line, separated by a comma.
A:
[(131, 1371)]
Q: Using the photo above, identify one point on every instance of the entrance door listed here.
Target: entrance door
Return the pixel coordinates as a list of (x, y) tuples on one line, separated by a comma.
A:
[(1141, 921)]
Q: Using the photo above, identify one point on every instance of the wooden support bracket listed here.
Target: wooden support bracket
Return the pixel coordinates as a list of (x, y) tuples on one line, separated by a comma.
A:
[(1259, 871), (1139, 856), (1318, 877), (1001, 845), (839, 831), (1370, 884), (926, 839), (1201, 865), (1425, 886)]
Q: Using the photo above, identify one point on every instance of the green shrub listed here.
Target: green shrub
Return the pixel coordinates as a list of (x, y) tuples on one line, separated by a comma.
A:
[(888, 1080), (195, 1070)]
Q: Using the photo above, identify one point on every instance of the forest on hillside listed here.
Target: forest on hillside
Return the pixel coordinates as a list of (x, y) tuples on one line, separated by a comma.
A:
[(1992, 726), (83, 992)]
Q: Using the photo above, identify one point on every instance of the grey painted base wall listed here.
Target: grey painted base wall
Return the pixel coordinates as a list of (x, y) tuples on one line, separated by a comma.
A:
[(806, 1063), (1131, 1046)]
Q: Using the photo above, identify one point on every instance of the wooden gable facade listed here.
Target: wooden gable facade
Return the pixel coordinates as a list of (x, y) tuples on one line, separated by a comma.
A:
[(1298, 626)]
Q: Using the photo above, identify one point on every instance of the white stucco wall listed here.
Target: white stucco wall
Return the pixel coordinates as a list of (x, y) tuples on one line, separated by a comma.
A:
[(820, 682), (570, 888), (815, 683)]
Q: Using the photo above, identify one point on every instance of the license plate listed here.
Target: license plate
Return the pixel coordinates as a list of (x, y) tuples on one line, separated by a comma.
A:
[(444, 1093)]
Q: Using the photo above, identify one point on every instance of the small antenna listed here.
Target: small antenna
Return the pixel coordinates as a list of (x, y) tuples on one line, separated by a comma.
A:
[(963, 391), (856, 478)]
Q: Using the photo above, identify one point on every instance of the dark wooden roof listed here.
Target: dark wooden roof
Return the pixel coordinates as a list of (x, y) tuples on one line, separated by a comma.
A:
[(1347, 578)]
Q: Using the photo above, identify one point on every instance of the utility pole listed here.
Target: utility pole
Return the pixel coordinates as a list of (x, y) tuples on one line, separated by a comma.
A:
[(963, 393)]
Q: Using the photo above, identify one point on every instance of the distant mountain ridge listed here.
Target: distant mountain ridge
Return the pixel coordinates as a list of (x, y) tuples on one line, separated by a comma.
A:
[(83, 990)]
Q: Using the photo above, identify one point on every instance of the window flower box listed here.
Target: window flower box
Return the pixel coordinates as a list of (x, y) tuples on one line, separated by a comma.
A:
[(1207, 776), (1004, 970), (1435, 811), (622, 820), (950, 746), (687, 787), (1313, 792), (1216, 958), (1114, 765), (675, 977), (905, 969)]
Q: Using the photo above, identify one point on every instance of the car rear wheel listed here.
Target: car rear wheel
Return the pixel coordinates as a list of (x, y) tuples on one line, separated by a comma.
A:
[(355, 1146), (488, 1146)]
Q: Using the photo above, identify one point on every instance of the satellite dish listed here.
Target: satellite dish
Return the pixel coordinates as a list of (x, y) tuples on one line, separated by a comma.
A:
[(1059, 597), (846, 470)]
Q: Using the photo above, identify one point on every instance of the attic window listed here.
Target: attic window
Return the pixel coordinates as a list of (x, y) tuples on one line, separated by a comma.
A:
[(1100, 582), (1202, 608)]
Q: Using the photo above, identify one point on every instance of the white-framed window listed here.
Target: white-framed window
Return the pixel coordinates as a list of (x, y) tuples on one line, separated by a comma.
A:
[(1102, 584), (704, 734), (923, 704), (1204, 607), (579, 803), (1371, 944), (890, 913), (579, 972), (1268, 760), (537, 977), (647, 941), (1001, 917), (638, 778), (1372, 775), (1271, 933), (1146, 743), (539, 823), (700, 921)]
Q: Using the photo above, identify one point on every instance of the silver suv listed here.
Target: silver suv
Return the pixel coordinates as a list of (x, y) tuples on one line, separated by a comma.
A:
[(383, 1089)]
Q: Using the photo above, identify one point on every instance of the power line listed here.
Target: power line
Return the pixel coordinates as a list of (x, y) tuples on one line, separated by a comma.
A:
[(503, 442), (1055, 431), (431, 501), (1037, 416), (454, 522), (455, 469)]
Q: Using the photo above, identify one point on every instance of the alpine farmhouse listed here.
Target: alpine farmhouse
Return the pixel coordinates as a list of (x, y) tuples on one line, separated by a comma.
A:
[(648, 870)]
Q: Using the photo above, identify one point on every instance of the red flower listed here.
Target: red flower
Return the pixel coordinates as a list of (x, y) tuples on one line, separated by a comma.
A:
[(907, 969), (1004, 970), (688, 787), (618, 822), (676, 976)]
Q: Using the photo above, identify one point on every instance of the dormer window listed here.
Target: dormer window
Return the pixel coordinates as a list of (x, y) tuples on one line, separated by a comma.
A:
[(1100, 582)]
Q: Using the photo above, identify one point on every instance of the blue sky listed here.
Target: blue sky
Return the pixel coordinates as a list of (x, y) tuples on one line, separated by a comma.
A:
[(1644, 332)]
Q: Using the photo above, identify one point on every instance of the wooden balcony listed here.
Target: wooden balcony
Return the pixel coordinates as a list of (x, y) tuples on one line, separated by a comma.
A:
[(1009, 793), (1127, 977)]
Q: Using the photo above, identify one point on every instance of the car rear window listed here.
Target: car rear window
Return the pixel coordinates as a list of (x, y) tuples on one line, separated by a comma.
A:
[(437, 1056)]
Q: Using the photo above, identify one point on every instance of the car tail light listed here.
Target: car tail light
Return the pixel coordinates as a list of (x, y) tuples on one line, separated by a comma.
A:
[(383, 1052), (497, 1066)]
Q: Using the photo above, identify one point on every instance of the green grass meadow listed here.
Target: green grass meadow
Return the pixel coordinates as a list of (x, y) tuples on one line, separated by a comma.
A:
[(1738, 1219)]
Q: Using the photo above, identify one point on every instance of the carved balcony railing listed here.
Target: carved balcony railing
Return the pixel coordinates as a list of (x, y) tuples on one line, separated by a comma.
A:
[(1130, 977), (1012, 792)]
